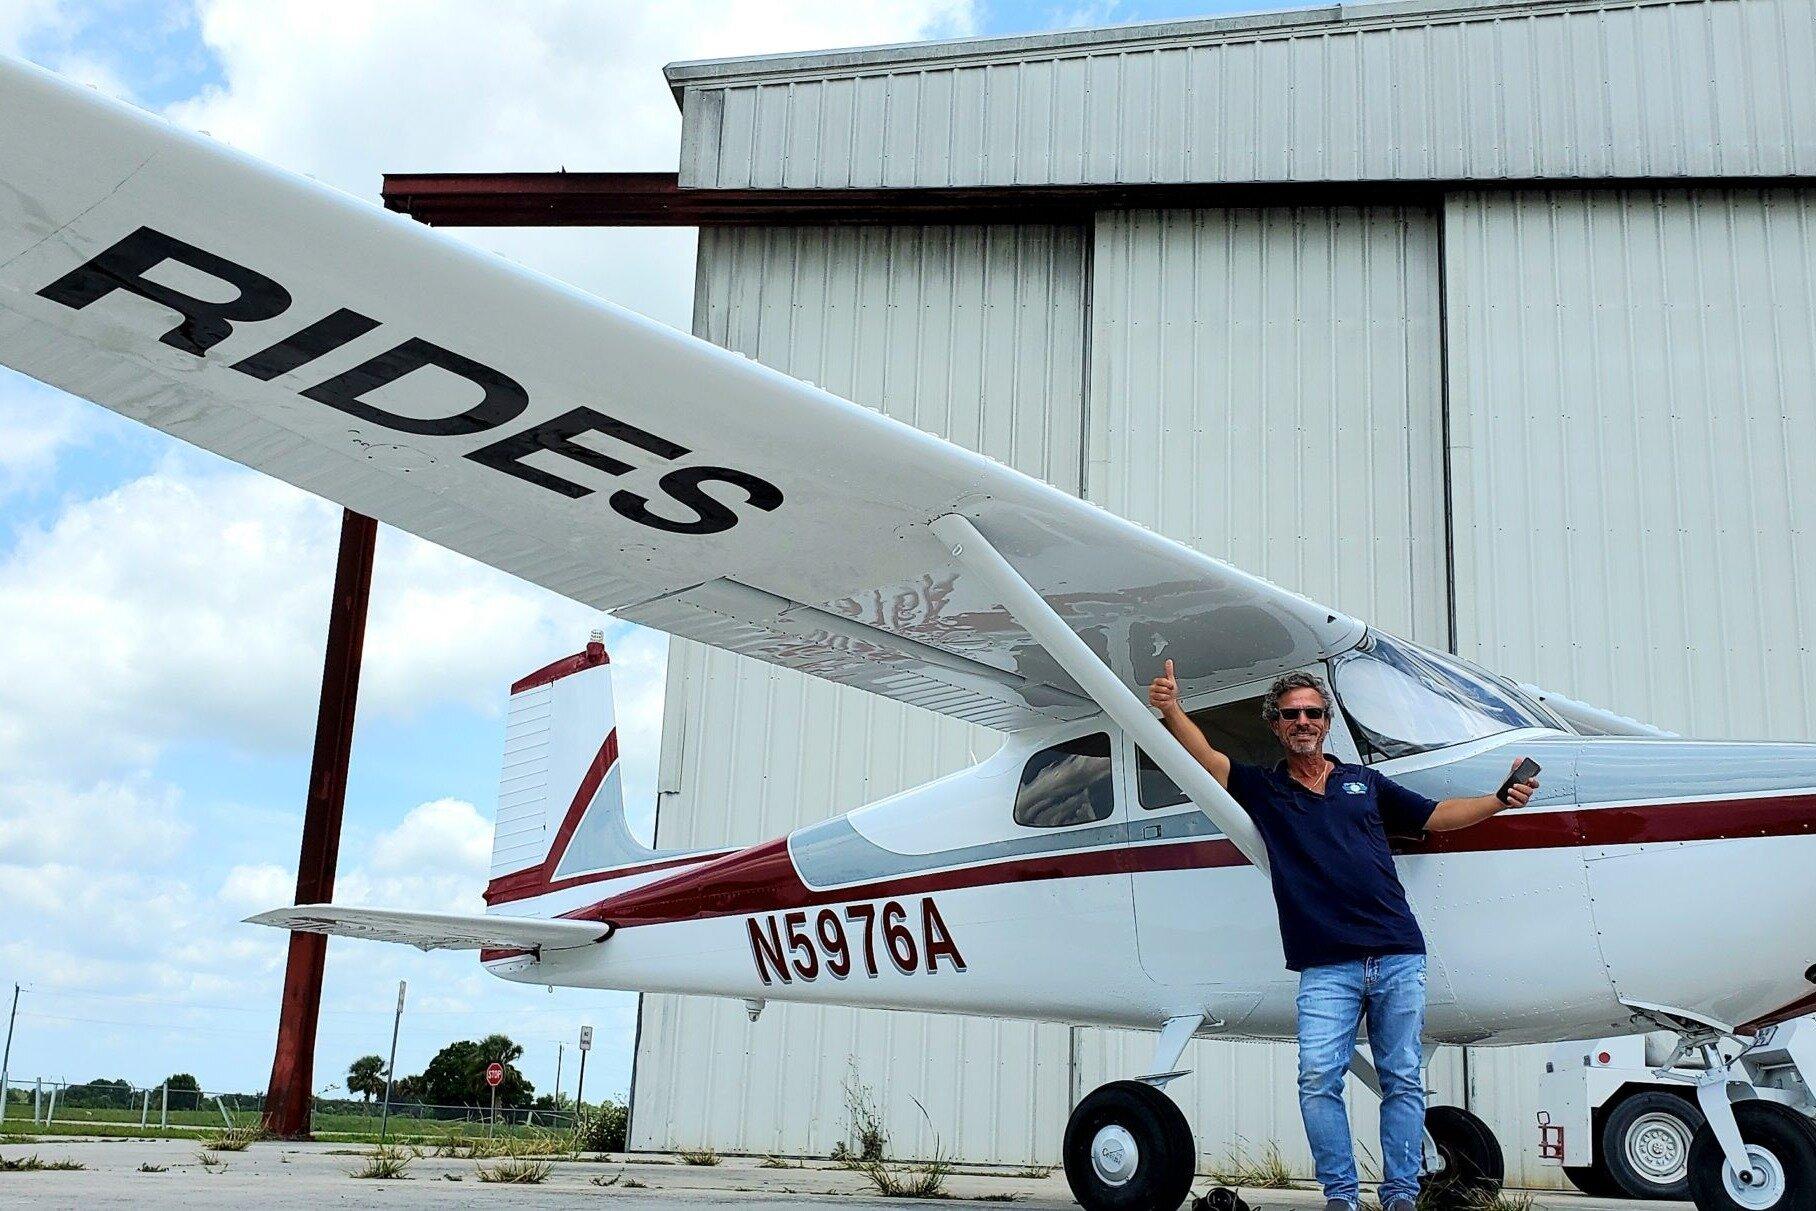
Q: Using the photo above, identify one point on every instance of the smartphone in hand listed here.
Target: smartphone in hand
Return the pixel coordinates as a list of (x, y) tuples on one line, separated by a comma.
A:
[(1525, 771)]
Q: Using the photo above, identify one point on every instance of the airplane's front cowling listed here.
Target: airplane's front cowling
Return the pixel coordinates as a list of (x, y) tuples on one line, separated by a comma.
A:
[(1700, 858)]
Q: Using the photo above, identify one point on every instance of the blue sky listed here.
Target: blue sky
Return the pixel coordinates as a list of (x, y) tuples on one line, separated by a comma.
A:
[(161, 612)]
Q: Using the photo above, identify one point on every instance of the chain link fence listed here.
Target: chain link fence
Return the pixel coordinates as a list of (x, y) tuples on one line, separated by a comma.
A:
[(48, 1105)]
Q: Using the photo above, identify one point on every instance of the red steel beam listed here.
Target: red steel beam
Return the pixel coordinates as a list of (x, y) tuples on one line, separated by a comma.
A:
[(289, 1098), (657, 199)]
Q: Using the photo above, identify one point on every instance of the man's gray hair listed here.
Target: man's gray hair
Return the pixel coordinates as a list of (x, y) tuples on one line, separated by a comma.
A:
[(1270, 705)]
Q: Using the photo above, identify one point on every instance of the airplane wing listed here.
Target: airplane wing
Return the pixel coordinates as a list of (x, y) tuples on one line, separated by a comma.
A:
[(434, 930), (629, 466)]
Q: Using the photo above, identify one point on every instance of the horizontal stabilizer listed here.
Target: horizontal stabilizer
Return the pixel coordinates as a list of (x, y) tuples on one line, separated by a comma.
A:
[(435, 930)]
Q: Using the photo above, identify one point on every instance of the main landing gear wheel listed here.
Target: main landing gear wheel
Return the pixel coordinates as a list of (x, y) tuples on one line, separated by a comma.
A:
[(1470, 1161), (1782, 1146), (1645, 1144), (1129, 1148)]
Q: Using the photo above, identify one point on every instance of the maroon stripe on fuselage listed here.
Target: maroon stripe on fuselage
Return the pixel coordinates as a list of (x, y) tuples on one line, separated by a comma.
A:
[(763, 878)]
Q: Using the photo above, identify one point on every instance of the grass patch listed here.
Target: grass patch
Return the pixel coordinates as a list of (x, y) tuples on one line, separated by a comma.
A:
[(705, 1157), (209, 1159), (546, 1143), (912, 1179), (603, 1180), (516, 1170), (997, 1198), (148, 1167), (385, 1164), (234, 1139), (35, 1163), (776, 1162), (1034, 1172), (631, 1183), (1265, 1170)]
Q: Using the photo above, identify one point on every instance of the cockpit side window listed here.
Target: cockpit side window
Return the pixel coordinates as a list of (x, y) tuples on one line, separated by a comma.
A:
[(1402, 699), (1234, 728), (1067, 784)]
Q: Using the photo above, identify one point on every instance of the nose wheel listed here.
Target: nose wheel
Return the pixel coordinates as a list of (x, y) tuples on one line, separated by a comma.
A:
[(1781, 1153), (1128, 1147)]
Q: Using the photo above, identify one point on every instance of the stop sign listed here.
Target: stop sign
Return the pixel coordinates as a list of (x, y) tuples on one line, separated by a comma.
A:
[(494, 1075)]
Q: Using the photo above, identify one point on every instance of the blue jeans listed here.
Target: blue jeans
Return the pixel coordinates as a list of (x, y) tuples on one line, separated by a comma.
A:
[(1388, 992)]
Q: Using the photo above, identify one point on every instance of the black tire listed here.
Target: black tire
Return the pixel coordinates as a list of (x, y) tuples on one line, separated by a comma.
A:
[(1593, 1180), (1781, 1137), (1473, 1165), (1159, 1176), (1645, 1144)]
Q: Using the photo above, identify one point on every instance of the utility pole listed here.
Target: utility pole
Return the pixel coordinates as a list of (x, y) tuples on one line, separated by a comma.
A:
[(384, 1116), (290, 1095), (6, 1063), (559, 1048)]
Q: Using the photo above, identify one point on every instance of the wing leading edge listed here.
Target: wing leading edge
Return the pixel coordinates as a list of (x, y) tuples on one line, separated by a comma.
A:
[(631, 467)]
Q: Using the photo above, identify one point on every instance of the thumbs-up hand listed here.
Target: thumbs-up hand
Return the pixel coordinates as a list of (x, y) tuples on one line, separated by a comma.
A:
[(1163, 692)]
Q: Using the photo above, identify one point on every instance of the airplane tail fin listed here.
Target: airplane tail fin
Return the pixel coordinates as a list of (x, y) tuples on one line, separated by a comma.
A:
[(560, 794)]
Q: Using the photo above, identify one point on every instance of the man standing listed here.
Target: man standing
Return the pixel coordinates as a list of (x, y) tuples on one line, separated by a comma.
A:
[(1344, 921)]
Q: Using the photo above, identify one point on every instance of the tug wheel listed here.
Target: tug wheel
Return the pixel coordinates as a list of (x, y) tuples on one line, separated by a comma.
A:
[(1782, 1147), (1470, 1160), (1645, 1144), (1129, 1148)]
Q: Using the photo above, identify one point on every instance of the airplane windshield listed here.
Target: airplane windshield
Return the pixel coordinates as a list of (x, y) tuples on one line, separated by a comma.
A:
[(1402, 699)]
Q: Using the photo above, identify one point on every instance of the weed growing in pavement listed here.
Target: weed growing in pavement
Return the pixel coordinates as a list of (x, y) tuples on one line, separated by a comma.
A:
[(34, 1163), (600, 1128), (1006, 1197), (1034, 1172), (385, 1164), (633, 1184), (704, 1157), (909, 1179), (148, 1167), (865, 1139), (233, 1139), (210, 1159), (1267, 1171), (776, 1162), (602, 1180), (515, 1170)]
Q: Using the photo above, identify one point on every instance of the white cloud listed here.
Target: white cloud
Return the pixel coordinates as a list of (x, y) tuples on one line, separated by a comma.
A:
[(193, 607), (255, 888), (108, 825), (21, 19)]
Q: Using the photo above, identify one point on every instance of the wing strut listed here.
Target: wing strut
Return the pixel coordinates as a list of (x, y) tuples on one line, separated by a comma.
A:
[(1030, 609)]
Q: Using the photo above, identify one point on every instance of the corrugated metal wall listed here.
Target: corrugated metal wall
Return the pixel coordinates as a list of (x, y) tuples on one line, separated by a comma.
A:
[(1634, 405), (976, 334), (1266, 386), (1634, 89)]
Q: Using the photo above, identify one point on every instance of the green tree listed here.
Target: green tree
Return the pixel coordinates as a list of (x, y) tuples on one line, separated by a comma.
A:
[(457, 1074), (185, 1091), (366, 1076)]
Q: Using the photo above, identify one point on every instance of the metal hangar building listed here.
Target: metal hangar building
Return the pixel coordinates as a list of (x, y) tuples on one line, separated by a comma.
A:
[(1492, 323)]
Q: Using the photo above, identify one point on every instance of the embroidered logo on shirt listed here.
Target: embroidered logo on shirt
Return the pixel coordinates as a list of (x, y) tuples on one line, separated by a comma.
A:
[(1355, 788)]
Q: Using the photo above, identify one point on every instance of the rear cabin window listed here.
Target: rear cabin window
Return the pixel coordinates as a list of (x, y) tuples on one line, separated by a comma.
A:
[(1067, 784), (1233, 728)]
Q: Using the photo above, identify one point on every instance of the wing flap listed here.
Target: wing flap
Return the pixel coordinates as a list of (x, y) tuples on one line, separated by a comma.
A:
[(434, 930)]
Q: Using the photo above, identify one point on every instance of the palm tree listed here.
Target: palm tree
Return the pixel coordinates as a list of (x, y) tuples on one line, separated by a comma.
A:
[(366, 1075)]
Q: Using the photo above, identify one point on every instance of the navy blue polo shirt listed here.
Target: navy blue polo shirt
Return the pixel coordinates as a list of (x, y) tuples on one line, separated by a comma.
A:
[(1334, 880)]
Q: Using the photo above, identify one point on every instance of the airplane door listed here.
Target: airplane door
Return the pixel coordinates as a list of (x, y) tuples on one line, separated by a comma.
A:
[(1204, 919)]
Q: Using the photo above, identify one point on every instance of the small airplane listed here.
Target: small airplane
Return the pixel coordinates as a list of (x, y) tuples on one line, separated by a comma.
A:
[(1090, 871)]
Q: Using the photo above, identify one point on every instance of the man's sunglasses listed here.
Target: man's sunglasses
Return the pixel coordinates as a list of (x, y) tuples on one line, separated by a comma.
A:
[(1294, 713)]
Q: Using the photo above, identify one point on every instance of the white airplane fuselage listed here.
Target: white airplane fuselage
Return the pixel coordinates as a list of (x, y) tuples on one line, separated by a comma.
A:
[(1646, 872)]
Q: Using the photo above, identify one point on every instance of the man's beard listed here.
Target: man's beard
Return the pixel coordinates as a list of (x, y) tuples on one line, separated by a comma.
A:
[(1302, 744)]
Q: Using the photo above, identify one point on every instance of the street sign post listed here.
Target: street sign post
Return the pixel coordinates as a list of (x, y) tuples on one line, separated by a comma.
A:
[(586, 1045), (494, 1078)]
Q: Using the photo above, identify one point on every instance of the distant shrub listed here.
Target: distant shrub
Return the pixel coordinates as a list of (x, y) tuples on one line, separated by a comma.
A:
[(601, 1128)]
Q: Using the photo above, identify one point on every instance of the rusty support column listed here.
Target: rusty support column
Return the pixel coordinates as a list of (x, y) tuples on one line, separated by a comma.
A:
[(288, 1100)]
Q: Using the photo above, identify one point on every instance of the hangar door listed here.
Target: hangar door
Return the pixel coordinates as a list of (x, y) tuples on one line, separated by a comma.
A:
[(1266, 385)]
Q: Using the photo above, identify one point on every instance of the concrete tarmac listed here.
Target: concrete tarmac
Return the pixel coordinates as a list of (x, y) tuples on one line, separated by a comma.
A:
[(279, 1177)]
